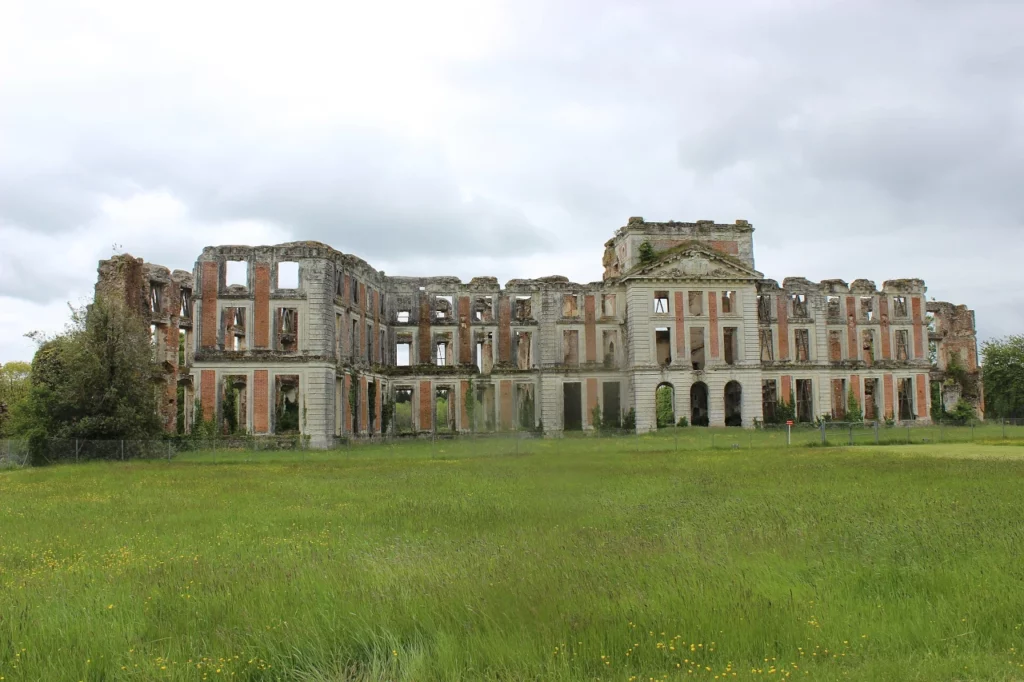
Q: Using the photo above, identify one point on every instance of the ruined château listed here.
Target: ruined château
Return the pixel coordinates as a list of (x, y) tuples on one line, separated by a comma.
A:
[(301, 338)]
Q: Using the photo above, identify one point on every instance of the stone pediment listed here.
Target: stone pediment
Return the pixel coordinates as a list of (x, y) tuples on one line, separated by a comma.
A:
[(695, 263)]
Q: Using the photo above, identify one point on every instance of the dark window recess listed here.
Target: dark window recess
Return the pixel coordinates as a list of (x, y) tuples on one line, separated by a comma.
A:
[(611, 414), (572, 406)]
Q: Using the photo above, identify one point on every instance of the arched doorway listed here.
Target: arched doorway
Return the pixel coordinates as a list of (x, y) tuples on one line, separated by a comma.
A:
[(699, 404), (665, 405), (733, 404)]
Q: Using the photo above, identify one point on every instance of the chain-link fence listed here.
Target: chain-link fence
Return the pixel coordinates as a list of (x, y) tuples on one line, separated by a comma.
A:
[(15, 453)]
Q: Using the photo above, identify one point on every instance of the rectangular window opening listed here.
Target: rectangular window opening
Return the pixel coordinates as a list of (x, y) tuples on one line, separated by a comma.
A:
[(833, 307), (661, 302), (839, 399), (287, 336), (288, 275), (695, 302), (608, 305), (769, 400), (524, 307), (609, 341), (906, 399), (867, 308), (870, 399), (804, 400), (444, 308), (902, 344), (697, 348), (799, 305), (764, 309), (728, 302), (571, 347), (402, 317), (570, 305), (403, 410), (236, 273), (802, 337), (767, 345), (523, 350), (868, 346), (899, 306), (730, 338), (663, 345), (444, 415), (611, 414)]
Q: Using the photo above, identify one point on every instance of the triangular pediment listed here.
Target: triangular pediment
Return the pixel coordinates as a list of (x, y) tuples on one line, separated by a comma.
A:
[(695, 263)]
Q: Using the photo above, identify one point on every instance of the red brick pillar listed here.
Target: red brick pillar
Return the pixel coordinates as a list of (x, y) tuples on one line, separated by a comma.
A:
[(426, 352), (922, 396), (680, 327), (855, 390), (883, 311), (465, 332), (782, 308), (590, 327), (504, 329), (787, 388), (426, 397), (261, 306), (591, 400), (260, 401), (378, 403), (915, 302), (713, 322), (208, 393), (890, 397), (505, 391), (211, 281)]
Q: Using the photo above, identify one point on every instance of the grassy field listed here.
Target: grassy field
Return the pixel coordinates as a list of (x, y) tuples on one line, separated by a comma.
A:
[(574, 560)]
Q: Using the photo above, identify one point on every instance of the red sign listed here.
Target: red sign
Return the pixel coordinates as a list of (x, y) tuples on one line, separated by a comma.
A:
[(789, 423)]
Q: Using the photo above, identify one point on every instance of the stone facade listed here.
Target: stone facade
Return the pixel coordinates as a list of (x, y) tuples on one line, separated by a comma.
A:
[(302, 338)]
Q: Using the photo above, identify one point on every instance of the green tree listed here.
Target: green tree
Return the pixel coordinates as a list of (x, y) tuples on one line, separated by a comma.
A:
[(646, 252), (853, 411), (663, 406), (92, 381), (14, 387), (1003, 371)]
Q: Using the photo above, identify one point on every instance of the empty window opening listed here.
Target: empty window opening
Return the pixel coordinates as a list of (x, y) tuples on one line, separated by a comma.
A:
[(338, 328), (764, 309), (182, 347), (665, 405), (902, 344), (867, 346), (288, 275), (523, 349), (833, 308), (444, 415), (867, 308), (156, 298), (699, 404), (835, 345), (383, 344), (524, 307), (485, 352), (572, 406), (402, 316), (353, 346), (728, 302), (570, 305), (403, 353), (571, 347), (286, 404), (765, 342), (608, 305), (526, 410), (661, 302), (234, 405), (839, 399), (403, 410), (234, 328), (380, 303), (236, 273), (695, 302), (906, 399), (154, 339), (483, 412), (663, 345), (731, 340), (443, 308), (733, 404), (899, 306), (186, 303), (441, 355), (870, 399), (483, 309), (933, 353), (287, 329), (609, 341), (355, 289), (799, 305), (339, 284), (611, 414), (697, 347), (769, 400), (802, 339), (804, 400), (369, 342)]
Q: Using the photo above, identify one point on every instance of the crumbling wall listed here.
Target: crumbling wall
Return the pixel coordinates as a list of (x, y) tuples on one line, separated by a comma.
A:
[(954, 342)]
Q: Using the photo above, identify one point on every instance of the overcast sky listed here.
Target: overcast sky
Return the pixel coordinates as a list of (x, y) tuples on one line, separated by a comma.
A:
[(862, 139)]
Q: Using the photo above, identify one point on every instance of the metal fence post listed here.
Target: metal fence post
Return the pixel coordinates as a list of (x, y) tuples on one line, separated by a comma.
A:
[(851, 434)]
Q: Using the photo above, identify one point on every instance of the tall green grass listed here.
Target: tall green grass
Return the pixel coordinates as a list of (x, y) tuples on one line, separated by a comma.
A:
[(573, 560)]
